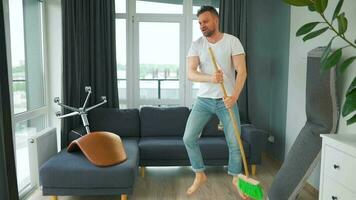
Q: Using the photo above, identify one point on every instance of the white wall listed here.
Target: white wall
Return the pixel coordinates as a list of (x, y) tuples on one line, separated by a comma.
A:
[(296, 116), (53, 16)]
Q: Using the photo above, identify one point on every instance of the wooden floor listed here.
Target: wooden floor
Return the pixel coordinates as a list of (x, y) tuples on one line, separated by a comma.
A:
[(171, 183)]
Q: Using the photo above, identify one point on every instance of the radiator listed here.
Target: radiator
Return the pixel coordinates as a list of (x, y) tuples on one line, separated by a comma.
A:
[(41, 147)]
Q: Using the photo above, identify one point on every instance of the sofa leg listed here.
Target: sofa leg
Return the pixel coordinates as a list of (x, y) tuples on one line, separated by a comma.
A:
[(142, 171), (123, 196), (54, 198), (253, 170)]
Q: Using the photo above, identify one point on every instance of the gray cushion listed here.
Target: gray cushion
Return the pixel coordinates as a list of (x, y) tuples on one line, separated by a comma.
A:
[(73, 170), (173, 148), (163, 121), (124, 122), (321, 103)]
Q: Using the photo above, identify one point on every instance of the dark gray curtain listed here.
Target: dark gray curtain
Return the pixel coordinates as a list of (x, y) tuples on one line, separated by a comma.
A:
[(89, 56), (233, 20), (8, 184)]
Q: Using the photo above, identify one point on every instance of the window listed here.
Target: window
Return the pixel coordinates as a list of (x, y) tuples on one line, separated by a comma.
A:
[(120, 6), (121, 60), (28, 81), (159, 60), (26, 55), (159, 7), (121, 49), (18, 57), (153, 37)]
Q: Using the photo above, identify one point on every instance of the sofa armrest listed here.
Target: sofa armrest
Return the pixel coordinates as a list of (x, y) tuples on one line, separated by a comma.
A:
[(257, 139)]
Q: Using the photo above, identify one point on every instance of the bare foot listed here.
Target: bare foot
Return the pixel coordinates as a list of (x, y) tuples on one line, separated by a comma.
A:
[(200, 179), (235, 180)]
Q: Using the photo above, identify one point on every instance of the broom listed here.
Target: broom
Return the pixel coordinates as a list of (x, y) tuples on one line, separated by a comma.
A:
[(248, 186)]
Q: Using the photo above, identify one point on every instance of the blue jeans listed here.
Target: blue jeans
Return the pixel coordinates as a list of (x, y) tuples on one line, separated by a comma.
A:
[(203, 109)]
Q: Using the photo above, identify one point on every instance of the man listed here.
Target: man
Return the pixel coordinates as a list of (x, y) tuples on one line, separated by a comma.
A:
[(230, 56)]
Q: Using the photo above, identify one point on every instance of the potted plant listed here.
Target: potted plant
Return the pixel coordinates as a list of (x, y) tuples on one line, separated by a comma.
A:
[(330, 58)]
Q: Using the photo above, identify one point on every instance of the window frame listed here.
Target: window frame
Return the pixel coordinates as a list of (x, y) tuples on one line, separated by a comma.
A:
[(159, 18), (132, 65), (33, 113)]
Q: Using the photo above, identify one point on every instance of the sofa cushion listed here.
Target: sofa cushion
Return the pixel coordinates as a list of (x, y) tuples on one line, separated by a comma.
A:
[(124, 122), (73, 170), (172, 148), (163, 121)]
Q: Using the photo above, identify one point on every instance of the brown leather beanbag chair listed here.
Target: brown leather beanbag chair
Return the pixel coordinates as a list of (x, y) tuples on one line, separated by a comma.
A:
[(100, 148)]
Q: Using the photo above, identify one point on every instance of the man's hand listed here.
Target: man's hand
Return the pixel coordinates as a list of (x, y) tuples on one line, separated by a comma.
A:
[(230, 101), (217, 77)]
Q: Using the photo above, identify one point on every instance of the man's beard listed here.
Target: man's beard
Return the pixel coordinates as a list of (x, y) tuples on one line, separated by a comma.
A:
[(209, 33)]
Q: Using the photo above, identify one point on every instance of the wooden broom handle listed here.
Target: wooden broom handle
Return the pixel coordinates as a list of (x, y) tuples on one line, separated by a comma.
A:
[(232, 115)]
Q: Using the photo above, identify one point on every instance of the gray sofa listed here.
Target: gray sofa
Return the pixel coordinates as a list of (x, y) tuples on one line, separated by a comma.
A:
[(152, 137)]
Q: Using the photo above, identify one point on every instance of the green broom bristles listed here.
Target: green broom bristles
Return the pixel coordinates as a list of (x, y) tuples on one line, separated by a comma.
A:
[(253, 190)]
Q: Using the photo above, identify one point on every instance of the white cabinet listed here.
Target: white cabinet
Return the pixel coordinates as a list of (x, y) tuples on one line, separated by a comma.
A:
[(338, 167)]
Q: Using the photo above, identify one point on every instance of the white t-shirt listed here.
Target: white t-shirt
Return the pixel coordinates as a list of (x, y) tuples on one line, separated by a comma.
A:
[(224, 49)]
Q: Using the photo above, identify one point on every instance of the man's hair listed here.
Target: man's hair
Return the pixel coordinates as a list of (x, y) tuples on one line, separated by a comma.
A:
[(210, 9)]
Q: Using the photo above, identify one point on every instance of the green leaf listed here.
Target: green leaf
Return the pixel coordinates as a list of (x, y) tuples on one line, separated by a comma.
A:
[(326, 52), (324, 4), (332, 60), (311, 8), (306, 28), (350, 104), (320, 5), (298, 2), (342, 21), (351, 87), (314, 34), (337, 9), (351, 120), (346, 63)]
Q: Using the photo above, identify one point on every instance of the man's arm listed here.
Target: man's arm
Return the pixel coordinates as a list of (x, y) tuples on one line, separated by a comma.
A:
[(240, 66), (194, 75)]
